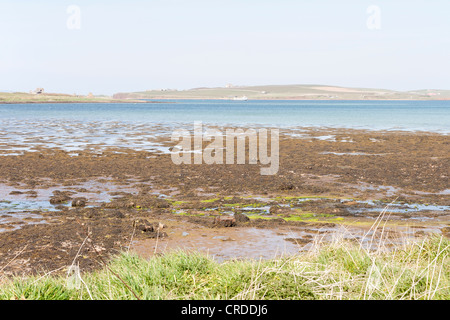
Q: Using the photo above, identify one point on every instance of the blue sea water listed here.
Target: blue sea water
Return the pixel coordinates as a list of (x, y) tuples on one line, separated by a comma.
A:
[(73, 127), (391, 115), (378, 115)]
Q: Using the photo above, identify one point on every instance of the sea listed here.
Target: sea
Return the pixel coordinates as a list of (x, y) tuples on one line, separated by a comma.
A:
[(78, 126)]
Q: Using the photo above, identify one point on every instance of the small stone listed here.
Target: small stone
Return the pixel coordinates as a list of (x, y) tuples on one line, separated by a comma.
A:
[(144, 225), (79, 202), (240, 217), (224, 221), (59, 199), (274, 209), (287, 186)]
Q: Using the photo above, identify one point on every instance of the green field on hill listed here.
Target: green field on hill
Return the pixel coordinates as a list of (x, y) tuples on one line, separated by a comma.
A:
[(294, 92)]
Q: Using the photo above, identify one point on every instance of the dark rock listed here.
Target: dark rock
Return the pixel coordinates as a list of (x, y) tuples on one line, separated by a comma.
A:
[(224, 221), (79, 202), (151, 230), (274, 209), (287, 186), (31, 193), (130, 204), (240, 217), (90, 213), (145, 227), (160, 203), (117, 214), (58, 199)]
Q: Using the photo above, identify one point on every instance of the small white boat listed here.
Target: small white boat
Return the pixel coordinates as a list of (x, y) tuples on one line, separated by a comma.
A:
[(243, 98)]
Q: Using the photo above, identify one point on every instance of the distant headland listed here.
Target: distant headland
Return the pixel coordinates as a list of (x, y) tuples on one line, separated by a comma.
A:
[(287, 92), (230, 92), (40, 96)]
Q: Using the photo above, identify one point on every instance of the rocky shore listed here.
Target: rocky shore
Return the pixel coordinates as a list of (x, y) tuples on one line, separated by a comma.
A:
[(97, 203)]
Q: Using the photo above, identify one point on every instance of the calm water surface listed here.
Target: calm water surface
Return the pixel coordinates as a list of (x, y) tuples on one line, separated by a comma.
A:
[(400, 115), (72, 127)]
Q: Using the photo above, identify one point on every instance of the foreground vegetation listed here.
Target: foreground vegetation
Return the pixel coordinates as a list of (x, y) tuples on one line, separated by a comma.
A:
[(338, 270)]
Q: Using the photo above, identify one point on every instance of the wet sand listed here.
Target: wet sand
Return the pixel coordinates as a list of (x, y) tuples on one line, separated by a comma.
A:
[(331, 183)]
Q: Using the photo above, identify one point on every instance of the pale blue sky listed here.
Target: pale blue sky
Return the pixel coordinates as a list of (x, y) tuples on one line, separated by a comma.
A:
[(138, 45)]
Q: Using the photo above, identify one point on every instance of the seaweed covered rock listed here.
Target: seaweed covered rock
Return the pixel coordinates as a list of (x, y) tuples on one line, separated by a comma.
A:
[(224, 221), (60, 197), (79, 202), (151, 230), (240, 217)]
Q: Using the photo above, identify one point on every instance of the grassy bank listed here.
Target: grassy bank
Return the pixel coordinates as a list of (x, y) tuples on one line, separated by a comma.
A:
[(21, 97), (290, 92), (338, 270)]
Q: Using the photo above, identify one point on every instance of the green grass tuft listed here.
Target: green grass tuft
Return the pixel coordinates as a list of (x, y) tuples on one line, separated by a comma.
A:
[(336, 270)]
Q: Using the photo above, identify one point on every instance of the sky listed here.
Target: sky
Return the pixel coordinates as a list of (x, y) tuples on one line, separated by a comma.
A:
[(110, 46)]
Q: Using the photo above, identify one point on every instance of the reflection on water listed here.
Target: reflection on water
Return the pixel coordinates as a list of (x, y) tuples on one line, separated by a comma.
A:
[(19, 202), (26, 205), (12, 221), (94, 127), (258, 243), (33, 135)]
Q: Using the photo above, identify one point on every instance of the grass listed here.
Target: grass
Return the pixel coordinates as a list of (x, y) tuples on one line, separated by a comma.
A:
[(259, 216), (22, 97), (210, 200), (176, 202), (184, 213), (286, 92), (340, 268), (336, 270)]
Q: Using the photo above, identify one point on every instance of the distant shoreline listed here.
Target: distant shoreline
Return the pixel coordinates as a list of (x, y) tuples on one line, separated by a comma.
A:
[(293, 92), (288, 92), (63, 102), (293, 99), (165, 100), (29, 98)]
